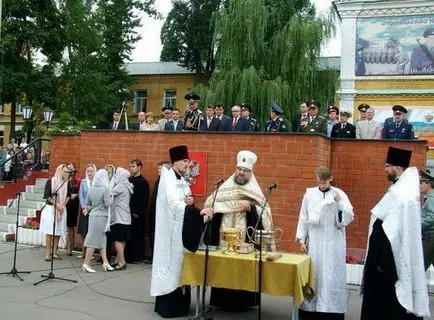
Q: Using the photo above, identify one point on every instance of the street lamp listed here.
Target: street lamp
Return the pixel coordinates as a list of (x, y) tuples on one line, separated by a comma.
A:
[(27, 115), (48, 116), (27, 112)]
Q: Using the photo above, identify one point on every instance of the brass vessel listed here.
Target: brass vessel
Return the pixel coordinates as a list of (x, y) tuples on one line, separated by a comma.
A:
[(232, 237)]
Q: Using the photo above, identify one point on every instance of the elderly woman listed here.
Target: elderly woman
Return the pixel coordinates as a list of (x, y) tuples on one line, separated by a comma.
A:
[(83, 219), (57, 195), (120, 219), (98, 201)]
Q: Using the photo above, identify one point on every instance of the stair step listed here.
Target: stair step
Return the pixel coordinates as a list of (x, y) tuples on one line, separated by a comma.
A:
[(4, 226), (40, 182), (27, 204), (13, 211), (32, 196), (35, 189)]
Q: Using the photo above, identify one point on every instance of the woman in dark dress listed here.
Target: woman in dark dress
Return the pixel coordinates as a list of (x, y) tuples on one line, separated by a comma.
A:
[(72, 206)]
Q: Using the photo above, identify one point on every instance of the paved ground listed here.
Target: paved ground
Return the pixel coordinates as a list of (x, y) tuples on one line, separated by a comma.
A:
[(103, 295)]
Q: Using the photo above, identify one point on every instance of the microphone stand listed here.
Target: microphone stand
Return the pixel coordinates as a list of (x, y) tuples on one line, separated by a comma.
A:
[(202, 314), (51, 273), (260, 251), (14, 272)]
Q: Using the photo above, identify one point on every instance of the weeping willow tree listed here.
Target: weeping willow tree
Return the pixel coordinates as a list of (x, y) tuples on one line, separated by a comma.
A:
[(268, 50)]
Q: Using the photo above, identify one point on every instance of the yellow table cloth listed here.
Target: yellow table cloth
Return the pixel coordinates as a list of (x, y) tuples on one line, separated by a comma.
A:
[(290, 275)]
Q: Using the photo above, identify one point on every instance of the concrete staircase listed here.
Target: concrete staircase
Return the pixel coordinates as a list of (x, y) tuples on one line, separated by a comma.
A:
[(31, 201)]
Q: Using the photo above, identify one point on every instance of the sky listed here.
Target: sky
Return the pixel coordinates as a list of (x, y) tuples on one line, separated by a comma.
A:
[(149, 47)]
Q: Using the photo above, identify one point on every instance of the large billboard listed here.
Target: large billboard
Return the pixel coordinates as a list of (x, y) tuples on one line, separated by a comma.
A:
[(395, 46)]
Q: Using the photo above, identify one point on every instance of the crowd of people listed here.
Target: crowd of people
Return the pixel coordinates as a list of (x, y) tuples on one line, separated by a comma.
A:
[(107, 208), (23, 160), (391, 288), (335, 124), (110, 208)]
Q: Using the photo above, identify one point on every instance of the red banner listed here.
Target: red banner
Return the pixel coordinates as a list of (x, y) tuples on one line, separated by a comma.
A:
[(197, 173)]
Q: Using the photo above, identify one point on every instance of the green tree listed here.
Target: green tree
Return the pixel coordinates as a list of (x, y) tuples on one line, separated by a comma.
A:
[(29, 27), (187, 35), (100, 37), (267, 50)]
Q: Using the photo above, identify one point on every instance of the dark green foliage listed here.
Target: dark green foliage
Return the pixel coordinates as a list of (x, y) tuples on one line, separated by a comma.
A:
[(68, 55), (267, 51), (187, 35)]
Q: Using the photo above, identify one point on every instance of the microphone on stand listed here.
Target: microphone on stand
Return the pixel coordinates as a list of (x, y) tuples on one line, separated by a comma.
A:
[(272, 186), (218, 183)]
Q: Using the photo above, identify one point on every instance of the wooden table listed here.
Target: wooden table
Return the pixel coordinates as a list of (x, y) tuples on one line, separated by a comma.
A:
[(290, 275)]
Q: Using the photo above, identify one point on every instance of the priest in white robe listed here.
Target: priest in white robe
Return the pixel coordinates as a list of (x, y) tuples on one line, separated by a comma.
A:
[(238, 204), (394, 284), (324, 214), (175, 211)]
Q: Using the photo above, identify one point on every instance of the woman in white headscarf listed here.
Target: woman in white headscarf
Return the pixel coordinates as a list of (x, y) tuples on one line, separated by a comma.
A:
[(98, 202), (57, 195), (120, 219), (111, 169), (83, 219)]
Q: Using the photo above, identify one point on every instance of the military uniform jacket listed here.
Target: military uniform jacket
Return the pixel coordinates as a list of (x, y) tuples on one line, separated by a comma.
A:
[(393, 131), (276, 125), (347, 131), (318, 124), (253, 125), (191, 120)]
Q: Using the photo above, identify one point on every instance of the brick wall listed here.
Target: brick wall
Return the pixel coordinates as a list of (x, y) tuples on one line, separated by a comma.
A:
[(286, 159)]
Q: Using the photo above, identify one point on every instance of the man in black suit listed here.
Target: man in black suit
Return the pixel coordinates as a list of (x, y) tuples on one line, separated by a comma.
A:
[(116, 124), (219, 113), (174, 124), (209, 122), (141, 116), (344, 129), (296, 119), (238, 123)]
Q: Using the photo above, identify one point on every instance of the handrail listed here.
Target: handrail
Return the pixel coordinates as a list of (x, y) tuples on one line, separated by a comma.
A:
[(37, 143), (32, 143)]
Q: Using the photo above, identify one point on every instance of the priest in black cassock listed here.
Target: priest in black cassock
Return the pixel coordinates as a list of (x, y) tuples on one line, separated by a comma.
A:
[(135, 248), (394, 283), (175, 215)]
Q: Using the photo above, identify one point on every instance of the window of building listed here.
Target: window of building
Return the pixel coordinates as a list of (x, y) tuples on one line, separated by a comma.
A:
[(140, 101), (2, 134), (1, 109), (170, 98), (18, 109)]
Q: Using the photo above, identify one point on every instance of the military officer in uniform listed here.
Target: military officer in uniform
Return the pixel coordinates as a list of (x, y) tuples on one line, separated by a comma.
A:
[(192, 115), (344, 129), (399, 129), (313, 123), (276, 122), (246, 110), (363, 107)]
